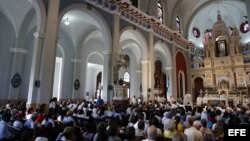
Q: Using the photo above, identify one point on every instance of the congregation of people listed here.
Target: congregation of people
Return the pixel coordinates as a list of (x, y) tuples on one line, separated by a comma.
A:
[(137, 121)]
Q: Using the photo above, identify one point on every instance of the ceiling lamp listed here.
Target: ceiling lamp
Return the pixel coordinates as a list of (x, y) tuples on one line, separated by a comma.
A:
[(67, 21)]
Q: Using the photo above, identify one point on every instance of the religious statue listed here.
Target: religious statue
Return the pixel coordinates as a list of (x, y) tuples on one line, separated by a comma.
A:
[(187, 99), (199, 101), (235, 41)]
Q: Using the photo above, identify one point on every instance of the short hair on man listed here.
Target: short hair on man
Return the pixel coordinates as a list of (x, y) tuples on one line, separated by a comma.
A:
[(152, 132), (178, 137)]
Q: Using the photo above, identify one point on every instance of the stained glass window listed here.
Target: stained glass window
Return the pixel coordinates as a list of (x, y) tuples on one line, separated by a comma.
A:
[(159, 12), (178, 24)]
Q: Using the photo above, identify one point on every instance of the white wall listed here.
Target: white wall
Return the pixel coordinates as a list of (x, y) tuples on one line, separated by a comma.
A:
[(57, 78), (91, 80)]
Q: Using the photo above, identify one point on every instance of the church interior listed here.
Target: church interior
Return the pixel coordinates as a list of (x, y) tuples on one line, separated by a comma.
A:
[(117, 49), (139, 70)]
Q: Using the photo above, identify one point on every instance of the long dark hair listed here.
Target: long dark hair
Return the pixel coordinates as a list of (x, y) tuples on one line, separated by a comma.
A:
[(102, 132)]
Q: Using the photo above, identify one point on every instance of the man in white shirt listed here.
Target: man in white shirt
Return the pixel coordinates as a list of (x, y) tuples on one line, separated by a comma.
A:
[(193, 133)]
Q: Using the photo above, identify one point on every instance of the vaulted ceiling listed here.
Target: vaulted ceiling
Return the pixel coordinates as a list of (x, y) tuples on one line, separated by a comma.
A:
[(201, 14)]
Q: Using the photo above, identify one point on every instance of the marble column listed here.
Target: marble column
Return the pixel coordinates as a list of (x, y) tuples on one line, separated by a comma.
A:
[(48, 55), (169, 81), (107, 91), (34, 82), (174, 81), (144, 79), (151, 64), (115, 47)]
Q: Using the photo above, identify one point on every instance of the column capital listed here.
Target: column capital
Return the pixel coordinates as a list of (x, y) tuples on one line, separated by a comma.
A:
[(38, 35), (144, 61), (168, 68), (19, 50)]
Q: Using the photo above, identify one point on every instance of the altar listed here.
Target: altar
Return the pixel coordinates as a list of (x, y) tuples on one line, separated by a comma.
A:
[(215, 101), (225, 74)]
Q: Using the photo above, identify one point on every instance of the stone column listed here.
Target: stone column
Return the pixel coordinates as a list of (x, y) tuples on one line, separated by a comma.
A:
[(77, 94), (145, 79), (169, 81), (48, 55), (34, 82), (107, 92), (174, 81), (17, 56), (151, 65), (139, 83), (115, 47)]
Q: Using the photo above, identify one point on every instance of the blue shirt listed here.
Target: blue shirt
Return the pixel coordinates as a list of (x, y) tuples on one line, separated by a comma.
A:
[(100, 102)]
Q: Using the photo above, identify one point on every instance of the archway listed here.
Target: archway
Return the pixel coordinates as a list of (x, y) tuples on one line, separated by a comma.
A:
[(134, 45), (181, 71), (198, 87)]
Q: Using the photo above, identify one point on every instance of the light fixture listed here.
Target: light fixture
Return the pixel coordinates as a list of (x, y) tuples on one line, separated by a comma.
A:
[(67, 21)]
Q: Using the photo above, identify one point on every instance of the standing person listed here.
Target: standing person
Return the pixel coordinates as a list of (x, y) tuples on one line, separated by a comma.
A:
[(99, 101), (152, 133), (134, 100)]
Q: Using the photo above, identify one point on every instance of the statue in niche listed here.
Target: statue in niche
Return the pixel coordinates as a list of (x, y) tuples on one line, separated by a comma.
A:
[(223, 84), (206, 42), (235, 42), (221, 49), (209, 47), (207, 50)]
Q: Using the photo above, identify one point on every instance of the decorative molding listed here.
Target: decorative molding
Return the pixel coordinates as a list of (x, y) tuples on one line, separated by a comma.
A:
[(138, 71), (38, 35), (144, 61), (75, 60), (106, 52), (168, 68), (19, 50), (140, 19)]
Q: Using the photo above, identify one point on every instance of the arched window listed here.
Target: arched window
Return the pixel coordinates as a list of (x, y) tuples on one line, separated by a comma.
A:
[(159, 12), (178, 24), (126, 77)]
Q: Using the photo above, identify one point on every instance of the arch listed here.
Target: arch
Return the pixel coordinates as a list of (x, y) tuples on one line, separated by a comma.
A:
[(11, 29), (7, 41), (104, 28), (41, 14), (181, 84), (181, 65), (164, 49), (25, 27), (93, 53), (62, 72), (141, 40), (198, 85)]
